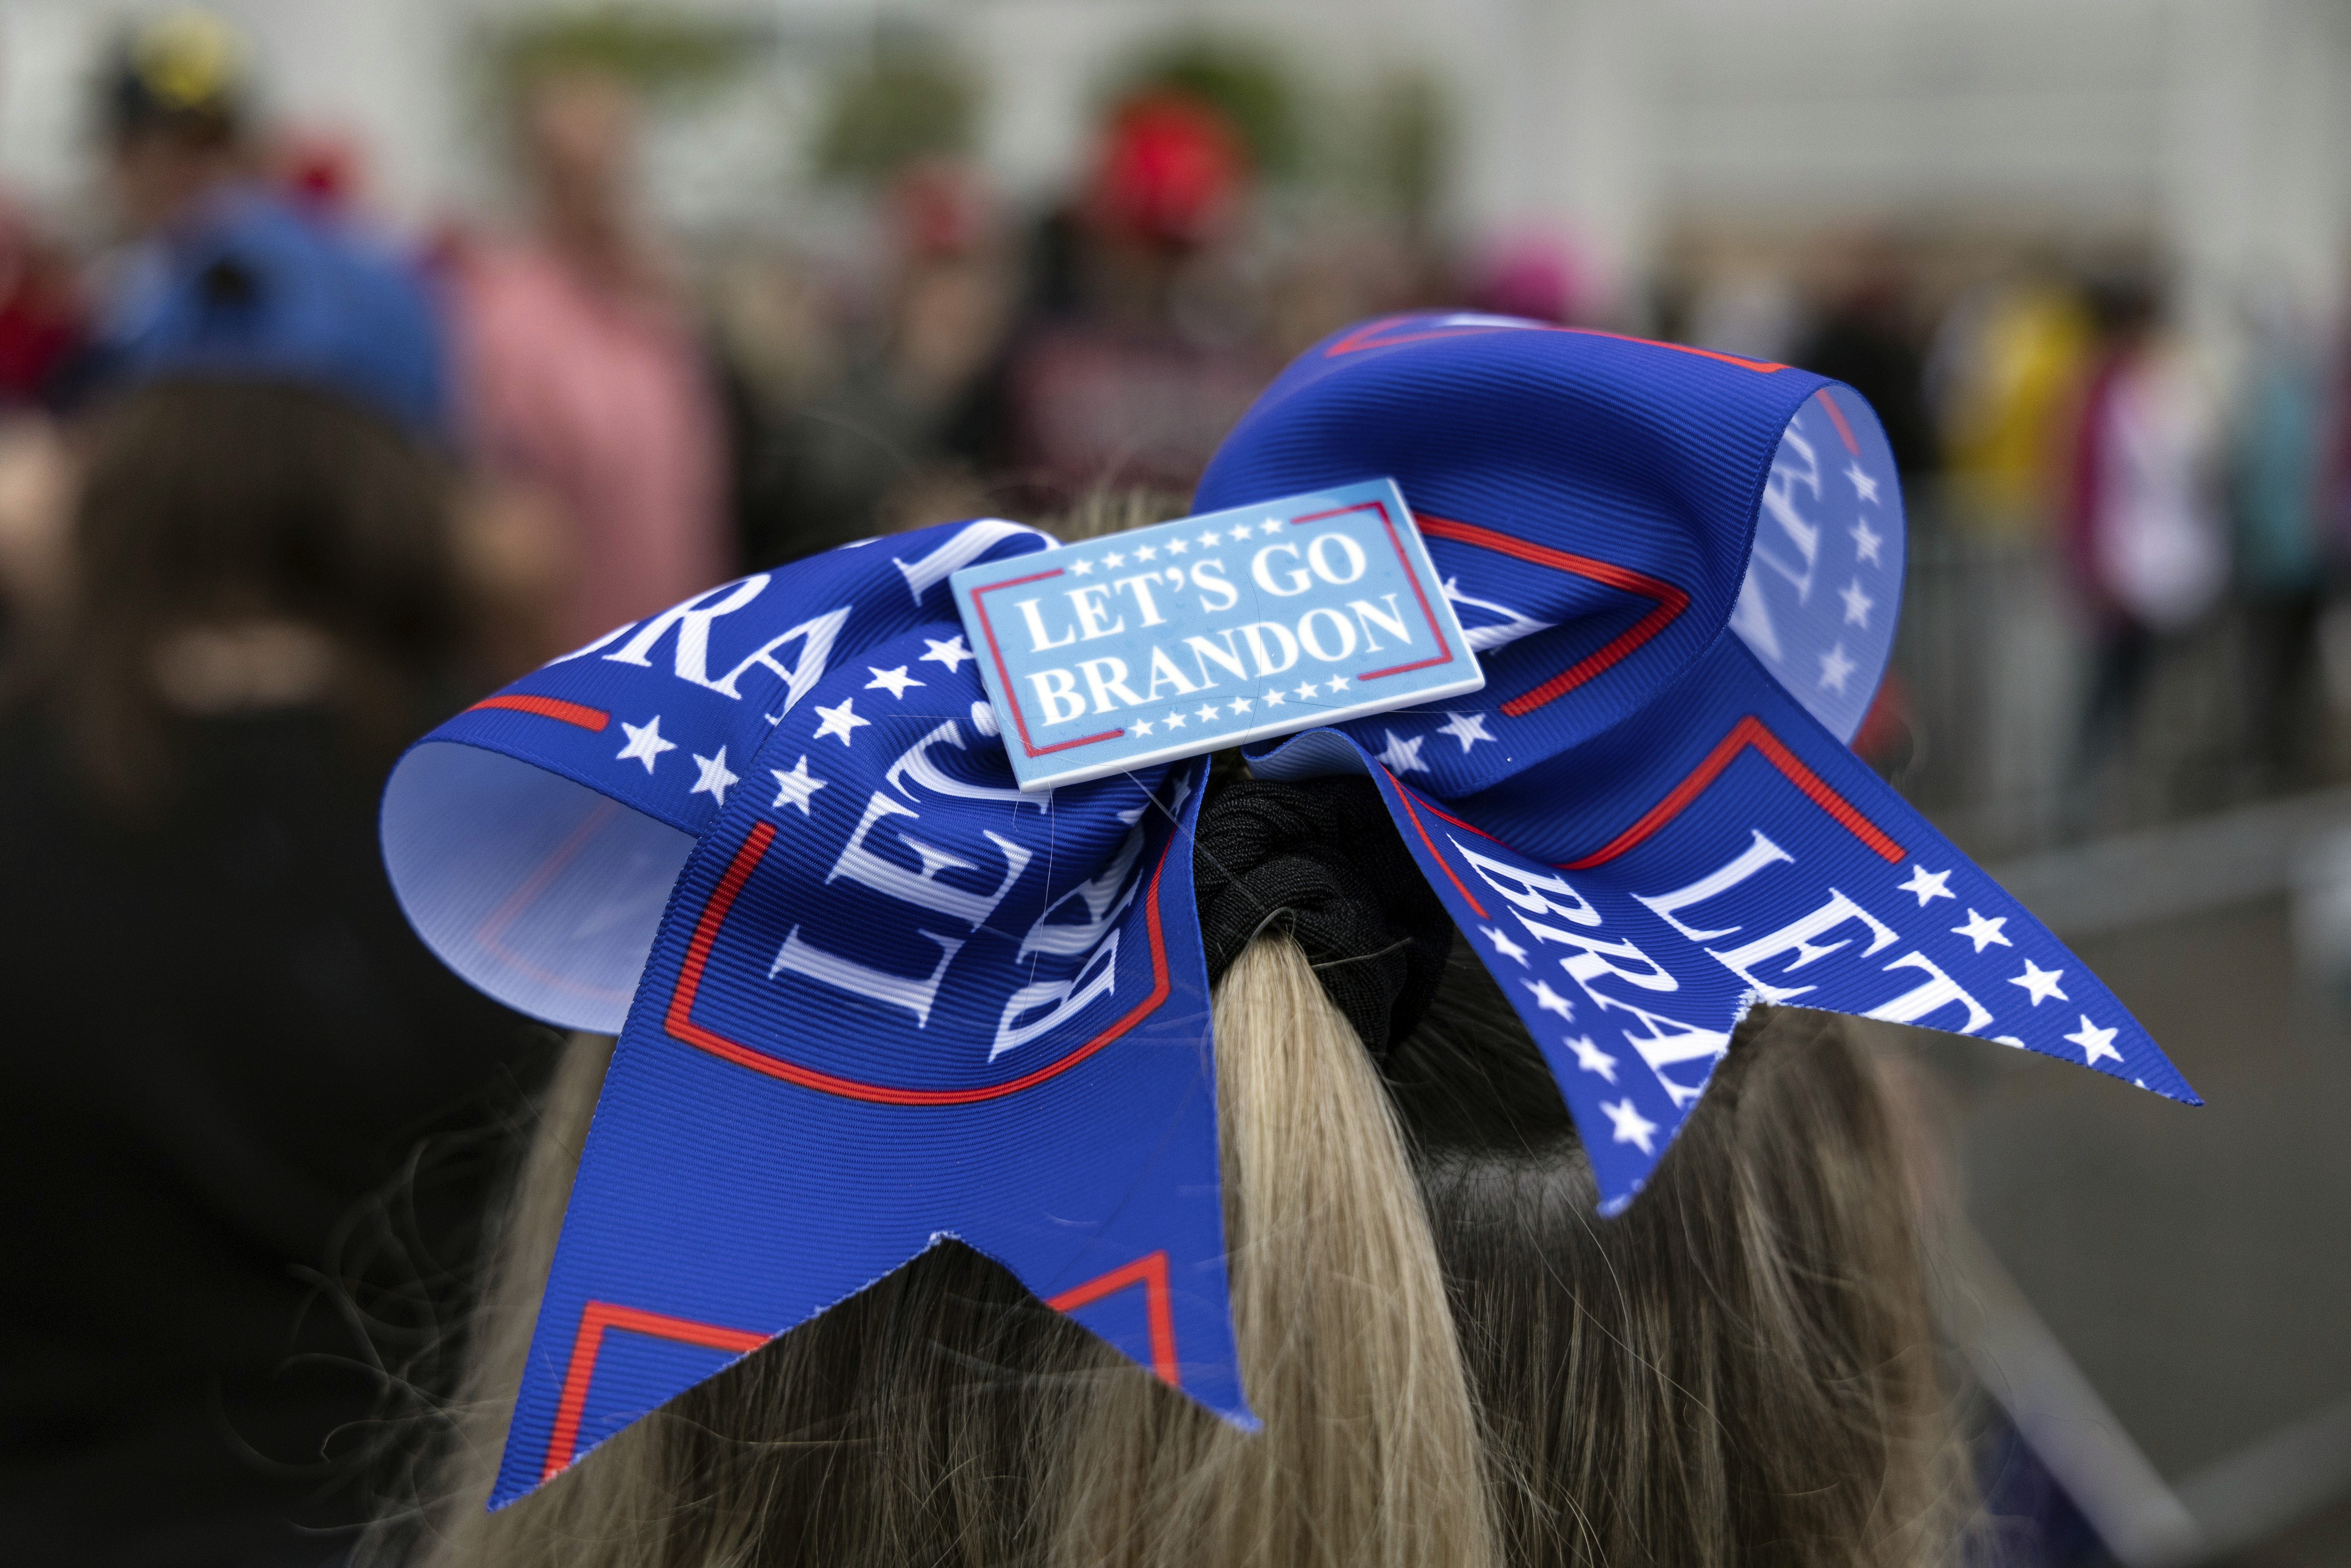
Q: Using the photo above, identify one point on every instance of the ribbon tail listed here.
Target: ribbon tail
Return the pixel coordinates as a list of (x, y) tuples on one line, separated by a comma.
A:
[(1636, 895), (1084, 1158)]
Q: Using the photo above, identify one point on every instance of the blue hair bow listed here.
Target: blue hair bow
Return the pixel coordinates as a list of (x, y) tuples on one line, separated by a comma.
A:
[(870, 995)]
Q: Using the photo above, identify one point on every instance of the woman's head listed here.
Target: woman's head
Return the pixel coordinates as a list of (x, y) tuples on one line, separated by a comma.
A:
[(1457, 1362), (244, 544)]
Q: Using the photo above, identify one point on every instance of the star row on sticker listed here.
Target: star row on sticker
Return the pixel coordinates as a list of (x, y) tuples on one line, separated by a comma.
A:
[(1147, 553), (1209, 713)]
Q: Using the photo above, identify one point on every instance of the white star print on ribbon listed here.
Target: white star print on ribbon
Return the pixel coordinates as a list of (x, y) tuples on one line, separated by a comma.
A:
[(950, 651), (795, 786), (1469, 728), (842, 721), (2040, 984), (1629, 1126), (715, 777), (1983, 932), (1404, 756), (2094, 1042), (646, 743), (1551, 1001), (1592, 1058), (1927, 885)]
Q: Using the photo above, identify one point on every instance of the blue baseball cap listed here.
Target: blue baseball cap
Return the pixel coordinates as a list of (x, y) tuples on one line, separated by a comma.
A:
[(255, 288)]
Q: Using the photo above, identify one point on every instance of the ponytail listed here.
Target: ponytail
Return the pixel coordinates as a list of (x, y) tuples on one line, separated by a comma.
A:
[(1369, 1453)]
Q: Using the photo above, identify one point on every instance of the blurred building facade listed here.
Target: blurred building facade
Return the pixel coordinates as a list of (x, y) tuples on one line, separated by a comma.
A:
[(2220, 129)]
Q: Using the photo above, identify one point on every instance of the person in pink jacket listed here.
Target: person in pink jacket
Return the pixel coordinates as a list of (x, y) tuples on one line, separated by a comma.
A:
[(583, 392)]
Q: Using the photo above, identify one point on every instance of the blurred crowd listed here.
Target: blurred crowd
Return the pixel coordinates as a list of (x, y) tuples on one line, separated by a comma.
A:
[(280, 487), (626, 420), (2184, 468)]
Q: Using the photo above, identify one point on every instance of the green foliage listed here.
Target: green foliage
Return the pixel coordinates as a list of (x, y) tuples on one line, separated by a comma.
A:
[(655, 50), (910, 99), (1248, 83)]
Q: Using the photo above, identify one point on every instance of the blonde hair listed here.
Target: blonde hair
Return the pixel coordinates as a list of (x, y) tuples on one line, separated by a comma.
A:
[(1369, 1453)]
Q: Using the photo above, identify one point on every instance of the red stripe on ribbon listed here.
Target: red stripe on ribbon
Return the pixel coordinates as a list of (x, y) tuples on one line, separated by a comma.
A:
[(1670, 602), (563, 1441), (1837, 417), (1367, 336), (679, 1019), (581, 714), (1749, 731), (1461, 887), (1150, 1272)]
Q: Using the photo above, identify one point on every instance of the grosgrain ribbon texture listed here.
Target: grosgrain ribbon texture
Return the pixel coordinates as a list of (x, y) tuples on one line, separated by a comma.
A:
[(869, 995)]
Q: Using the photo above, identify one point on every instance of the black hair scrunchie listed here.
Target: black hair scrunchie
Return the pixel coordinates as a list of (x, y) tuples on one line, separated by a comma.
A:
[(1323, 855)]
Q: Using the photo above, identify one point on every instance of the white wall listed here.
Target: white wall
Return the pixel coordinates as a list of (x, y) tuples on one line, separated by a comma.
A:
[(2253, 155), (1897, 106), (2218, 124)]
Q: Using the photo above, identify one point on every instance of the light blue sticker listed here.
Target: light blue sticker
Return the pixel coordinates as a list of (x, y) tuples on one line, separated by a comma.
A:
[(1207, 632)]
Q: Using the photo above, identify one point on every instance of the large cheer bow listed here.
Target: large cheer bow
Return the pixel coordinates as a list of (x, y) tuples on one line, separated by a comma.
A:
[(869, 995)]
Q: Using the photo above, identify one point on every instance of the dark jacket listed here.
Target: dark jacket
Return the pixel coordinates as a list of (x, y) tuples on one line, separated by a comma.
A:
[(224, 1046)]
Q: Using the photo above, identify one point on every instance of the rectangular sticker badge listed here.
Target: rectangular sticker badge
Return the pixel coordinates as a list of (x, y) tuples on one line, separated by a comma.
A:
[(1189, 636)]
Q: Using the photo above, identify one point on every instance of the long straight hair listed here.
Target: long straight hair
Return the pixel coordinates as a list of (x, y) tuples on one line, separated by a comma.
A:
[(1456, 1362), (1740, 1368)]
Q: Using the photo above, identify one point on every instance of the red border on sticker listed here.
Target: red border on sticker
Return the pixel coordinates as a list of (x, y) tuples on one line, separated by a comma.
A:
[(1395, 542), (1004, 677)]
